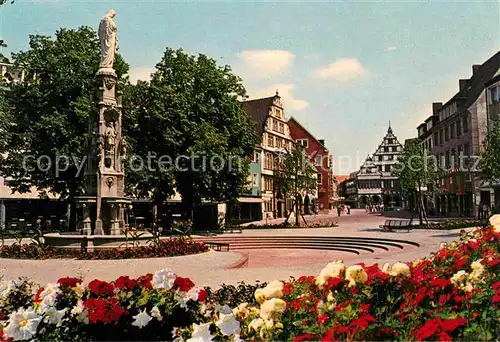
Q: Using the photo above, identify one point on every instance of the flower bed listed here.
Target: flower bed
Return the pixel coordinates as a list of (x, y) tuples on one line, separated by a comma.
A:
[(451, 224), (163, 248), (325, 224), (453, 294)]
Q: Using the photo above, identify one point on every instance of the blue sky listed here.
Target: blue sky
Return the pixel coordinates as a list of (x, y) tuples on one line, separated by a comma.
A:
[(344, 69)]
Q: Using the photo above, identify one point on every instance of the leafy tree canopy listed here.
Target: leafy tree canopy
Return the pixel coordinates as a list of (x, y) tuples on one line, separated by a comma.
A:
[(190, 109), (490, 161)]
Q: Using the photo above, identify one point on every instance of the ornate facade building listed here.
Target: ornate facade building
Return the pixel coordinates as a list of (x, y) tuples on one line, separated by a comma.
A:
[(375, 183), (271, 124)]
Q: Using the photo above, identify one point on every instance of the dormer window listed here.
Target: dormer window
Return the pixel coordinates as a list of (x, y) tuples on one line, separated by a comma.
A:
[(278, 113)]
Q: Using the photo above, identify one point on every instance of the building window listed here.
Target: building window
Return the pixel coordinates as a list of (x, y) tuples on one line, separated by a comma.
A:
[(278, 113), (282, 128), (446, 134), (441, 137), (319, 160), (275, 125), (389, 141), (386, 149), (387, 168), (459, 128), (452, 131), (390, 157), (436, 138), (465, 125), (255, 157), (255, 180), (270, 141), (303, 142), (494, 95), (320, 178), (394, 149), (278, 142)]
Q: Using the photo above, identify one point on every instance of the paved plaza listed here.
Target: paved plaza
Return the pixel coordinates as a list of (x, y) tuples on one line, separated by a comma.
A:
[(214, 268)]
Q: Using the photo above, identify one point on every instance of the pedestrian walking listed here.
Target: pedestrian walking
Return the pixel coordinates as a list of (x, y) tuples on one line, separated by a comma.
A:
[(348, 209), (339, 210)]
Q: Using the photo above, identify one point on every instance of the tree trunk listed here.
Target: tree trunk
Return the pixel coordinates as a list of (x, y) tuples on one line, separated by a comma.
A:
[(296, 211)]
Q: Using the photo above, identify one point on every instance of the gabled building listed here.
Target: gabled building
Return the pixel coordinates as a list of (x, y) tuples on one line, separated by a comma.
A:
[(271, 124), (459, 128), (320, 155), (375, 183)]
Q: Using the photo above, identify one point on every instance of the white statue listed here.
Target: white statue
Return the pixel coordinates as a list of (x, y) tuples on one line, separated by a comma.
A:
[(109, 43)]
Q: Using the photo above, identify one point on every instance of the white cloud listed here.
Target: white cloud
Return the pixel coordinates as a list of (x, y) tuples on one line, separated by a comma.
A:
[(143, 74), (391, 48), (341, 70), (264, 63), (285, 90)]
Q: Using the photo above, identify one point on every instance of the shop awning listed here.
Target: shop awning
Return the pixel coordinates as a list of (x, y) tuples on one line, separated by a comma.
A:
[(250, 200)]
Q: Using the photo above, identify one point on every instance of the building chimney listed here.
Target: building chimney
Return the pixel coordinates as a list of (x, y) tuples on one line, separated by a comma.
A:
[(436, 107), (463, 84), (475, 68), (322, 141)]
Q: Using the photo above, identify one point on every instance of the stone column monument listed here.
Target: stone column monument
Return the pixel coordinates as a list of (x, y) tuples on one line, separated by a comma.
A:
[(104, 202)]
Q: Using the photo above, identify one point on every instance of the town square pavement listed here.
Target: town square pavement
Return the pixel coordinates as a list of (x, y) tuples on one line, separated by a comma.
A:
[(214, 268)]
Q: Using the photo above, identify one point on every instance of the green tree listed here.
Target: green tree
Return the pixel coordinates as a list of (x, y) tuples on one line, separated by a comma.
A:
[(490, 161), (295, 175), (50, 110), (191, 109), (418, 174)]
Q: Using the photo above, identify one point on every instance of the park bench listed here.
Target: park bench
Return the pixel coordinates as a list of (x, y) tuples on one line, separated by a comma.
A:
[(217, 246), (392, 225)]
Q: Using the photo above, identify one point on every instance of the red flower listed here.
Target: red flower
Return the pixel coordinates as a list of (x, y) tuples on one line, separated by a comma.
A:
[(442, 336), (145, 281), (287, 288), (322, 318), (105, 310), (304, 337), (2, 339), (69, 281), (125, 283), (449, 325), (496, 286), (183, 284), (37, 295), (333, 282), (427, 330), (101, 288), (202, 295), (364, 307), (440, 282)]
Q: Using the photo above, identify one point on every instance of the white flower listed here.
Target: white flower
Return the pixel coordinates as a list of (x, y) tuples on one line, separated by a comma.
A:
[(237, 338), (48, 297), (201, 333), (355, 274), (155, 312), (270, 308), (22, 324), (79, 289), (53, 316), (193, 293), (163, 279), (182, 301), (459, 277), (5, 287), (223, 309), (176, 334), (141, 319), (272, 290), (495, 222), (256, 324), (334, 269), (398, 269), (78, 308), (228, 325)]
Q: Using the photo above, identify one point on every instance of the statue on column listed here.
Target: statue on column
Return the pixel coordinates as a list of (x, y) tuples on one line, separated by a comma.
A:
[(108, 39), (109, 145)]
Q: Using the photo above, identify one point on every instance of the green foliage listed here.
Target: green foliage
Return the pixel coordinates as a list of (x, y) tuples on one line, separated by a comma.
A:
[(52, 108), (490, 161), (417, 170), (235, 295), (294, 174), (190, 108)]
